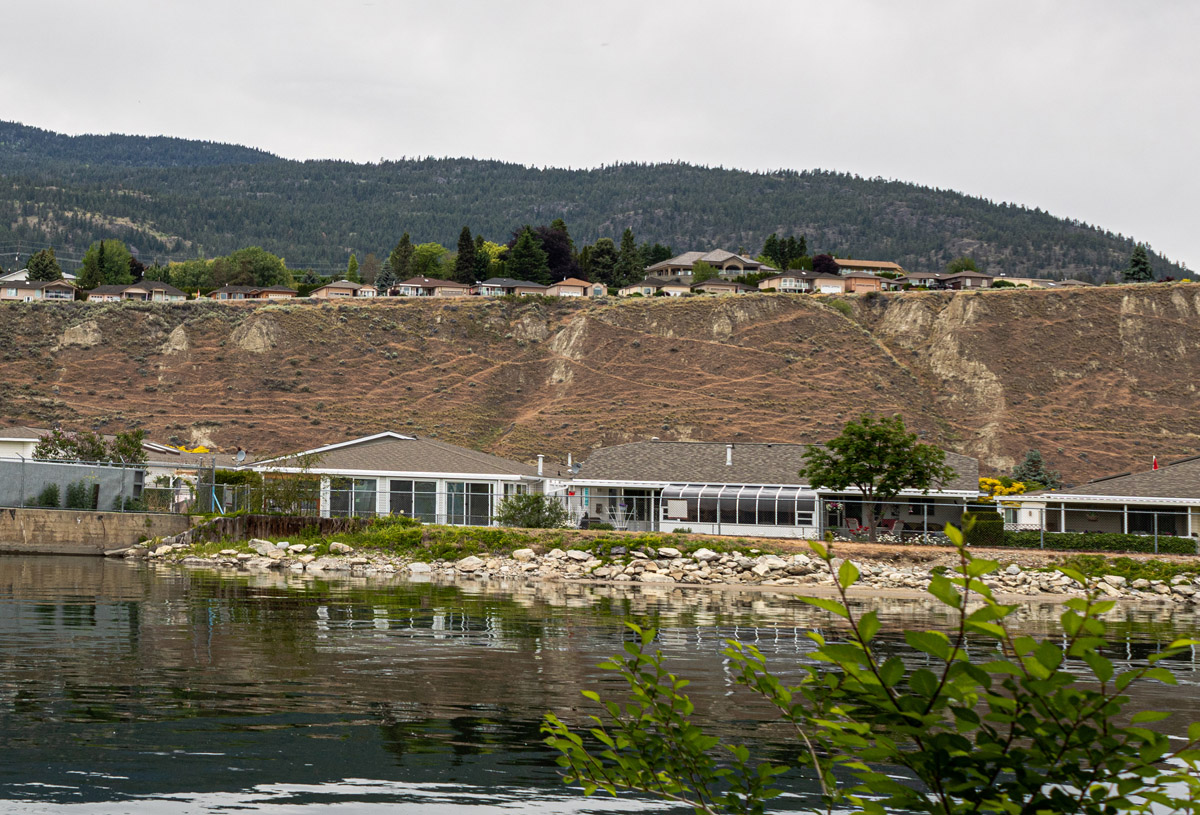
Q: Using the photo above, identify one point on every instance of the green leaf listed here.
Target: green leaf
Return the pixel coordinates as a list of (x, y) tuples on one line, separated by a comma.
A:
[(923, 682), (941, 588), (868, 626), (832, 606), (978, 567), (1074, 575), (847, 574), (892, 671), (1145, 716), (929, 642)]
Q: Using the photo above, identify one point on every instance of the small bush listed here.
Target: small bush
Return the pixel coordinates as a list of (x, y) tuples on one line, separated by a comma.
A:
[(532, 511), (49, 497), (983, 528), (842, 306), (79, 495), (1093, 542)]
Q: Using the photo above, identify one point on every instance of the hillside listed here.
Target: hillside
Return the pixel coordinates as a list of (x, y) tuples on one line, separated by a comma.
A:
[(1099, 380), (172, 198)]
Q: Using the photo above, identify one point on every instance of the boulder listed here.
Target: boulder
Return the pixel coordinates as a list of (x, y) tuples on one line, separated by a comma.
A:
[(655, 577), (669, 552), (419, 568), (1115, 580), (703, 555), (469, 564), (297, 547), (579, 555), (523, 555), (556, 554), (1013, 569), (340, 548), (761, 569), (1141, 584)]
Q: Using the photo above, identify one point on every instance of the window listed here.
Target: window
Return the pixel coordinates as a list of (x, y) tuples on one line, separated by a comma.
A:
[(352, 497), (515, 489), (468, 503), (416, 499), (743, 506)]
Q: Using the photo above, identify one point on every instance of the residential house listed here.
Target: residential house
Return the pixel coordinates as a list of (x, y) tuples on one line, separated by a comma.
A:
[(227, 293), (501, 286), (343, 288), (799, 281), (22, 276), (147, 290), (429, 287), (395, 474), (52, 291), (728, 264), (574, 287), (1163, 501), (717, 285), (847, 265), (651, 286), (946, 280), (859, 282), (1040, 282), (19, 442), (740, 489)]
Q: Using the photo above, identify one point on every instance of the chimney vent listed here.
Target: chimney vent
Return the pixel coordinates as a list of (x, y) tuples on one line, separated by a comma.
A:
[(541, 463), (728, 455)]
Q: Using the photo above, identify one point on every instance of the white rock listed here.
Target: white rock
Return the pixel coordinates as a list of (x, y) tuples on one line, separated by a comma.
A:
[(420, 568), (1141, 584), (469, 564), (1114, 580), (229, 552), (556, 554), (162, 550), (340, 548), (297, 547), (306, 559), (1184, 590), (669, 552), (579, 555), (703, 555), (522, 555), (1013, 569), (655, 577), (761, 569)]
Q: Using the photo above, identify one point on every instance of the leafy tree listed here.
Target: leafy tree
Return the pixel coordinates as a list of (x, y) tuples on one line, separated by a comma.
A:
[(603, 262), (44, 266), (877, 457), (824, 264), (464, 264), (961, 264), (1013, 725), (532, 511), (560, 250), (1140, 270), (136, 269), (401, 259), (352, 269), (427, 260), (127, 447), (527, 260), (106, 261), (629, 267), (702, 271), (486, 254), (1033, 471), (191, 274), (252, 266), (58, 445), (369, 271)]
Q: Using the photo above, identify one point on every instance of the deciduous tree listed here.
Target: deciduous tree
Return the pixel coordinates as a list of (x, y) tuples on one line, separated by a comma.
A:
[(427, 260), (824, 264), (877, 457), (702, 271), (962, 264)]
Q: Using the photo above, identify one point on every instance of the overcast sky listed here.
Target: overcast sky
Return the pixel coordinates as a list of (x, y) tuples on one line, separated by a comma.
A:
[(1090, 110)]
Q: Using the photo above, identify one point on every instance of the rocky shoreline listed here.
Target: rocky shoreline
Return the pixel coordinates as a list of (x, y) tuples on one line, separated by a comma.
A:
[(664, 566)]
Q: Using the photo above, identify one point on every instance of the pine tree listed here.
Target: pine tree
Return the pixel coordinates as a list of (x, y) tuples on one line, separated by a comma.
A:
[(602, 262), (385, 278), (771, 251), (352, 269), (44, 266), (629, 267), (464, 264), (1033, 471), (401, 258), (483, 259), (90, 274), (1140, 270), (527, 260)]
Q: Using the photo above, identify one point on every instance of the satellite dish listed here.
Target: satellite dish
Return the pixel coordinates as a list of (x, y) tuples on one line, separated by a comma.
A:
[(241, 455)]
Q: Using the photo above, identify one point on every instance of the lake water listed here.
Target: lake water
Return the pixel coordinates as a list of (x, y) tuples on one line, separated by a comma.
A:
[(140, 689)]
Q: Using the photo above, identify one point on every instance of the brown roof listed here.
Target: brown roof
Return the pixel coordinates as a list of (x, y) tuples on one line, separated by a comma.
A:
[(432, 283), (1179, 479), (20, 432), (394, 452), (885, 265), (704, 463)]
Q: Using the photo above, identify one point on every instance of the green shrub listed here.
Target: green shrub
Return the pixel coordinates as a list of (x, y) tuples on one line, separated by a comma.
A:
[(49, 497), (983, 528), (532, 511), (602, 525), (1098, 542), (79, 495), (842, 306)]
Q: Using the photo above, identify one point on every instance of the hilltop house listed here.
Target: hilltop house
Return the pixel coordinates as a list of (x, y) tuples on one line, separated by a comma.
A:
[(22, 276), (718, 286), (741, 489), (1163, 501), (147, 290), (802, 281), (728, 264), (227, 293), (847, 265), (500, 286), (343, 288), (651, 286), (429, 287), (946, 280), (392, 473), (52, 291), (574, 287)]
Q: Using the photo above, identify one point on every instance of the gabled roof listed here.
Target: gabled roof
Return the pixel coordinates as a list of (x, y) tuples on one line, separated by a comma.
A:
[(715, 256), (721, 283), (21, 433), (509, 283), (655, 283), (398, 453), (802, 274), (145, 285), (1178, 479), (878, 265), (23, 274), (345, 284), (704, 463), (432, 283), (37, 284), (571, 281)]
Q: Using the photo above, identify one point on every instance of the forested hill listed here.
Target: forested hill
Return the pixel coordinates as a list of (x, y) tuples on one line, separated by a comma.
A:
[(174, 198)]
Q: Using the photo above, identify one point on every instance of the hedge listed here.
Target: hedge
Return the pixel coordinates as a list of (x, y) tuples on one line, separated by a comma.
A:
[(1098, 542), (987, 529)]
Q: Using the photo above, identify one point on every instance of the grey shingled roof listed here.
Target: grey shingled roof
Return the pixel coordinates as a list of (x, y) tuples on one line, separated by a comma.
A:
[(401, 454), (1180, 479), (704, 463)]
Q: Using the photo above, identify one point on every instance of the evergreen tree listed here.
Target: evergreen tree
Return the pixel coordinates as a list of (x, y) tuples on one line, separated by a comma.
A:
[(629, 267), (401, 258), (771, 252), (483, 259), (603, 262), (1033, 471), (527, 260), (385, 278), (44, 266), (793, 251), (962, 264), (560, 250), (90, 275), (464, 264), (1139, 270), (352, 269), (111, 260)]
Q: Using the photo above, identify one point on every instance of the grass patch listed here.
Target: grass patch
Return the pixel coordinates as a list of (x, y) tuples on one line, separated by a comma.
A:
[(1127, 567)]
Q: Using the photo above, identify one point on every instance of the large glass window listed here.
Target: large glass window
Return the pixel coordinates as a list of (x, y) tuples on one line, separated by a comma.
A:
[(468, 503), (352, 497), (749, 506), (416, 499)]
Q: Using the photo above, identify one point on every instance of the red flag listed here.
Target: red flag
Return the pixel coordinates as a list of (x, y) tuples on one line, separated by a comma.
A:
[(1155, 467)]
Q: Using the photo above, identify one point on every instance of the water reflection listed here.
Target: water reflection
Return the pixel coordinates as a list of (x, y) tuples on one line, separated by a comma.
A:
[(179, 691)]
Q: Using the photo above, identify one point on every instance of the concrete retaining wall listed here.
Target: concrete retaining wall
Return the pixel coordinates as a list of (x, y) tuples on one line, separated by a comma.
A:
[(75, 532)]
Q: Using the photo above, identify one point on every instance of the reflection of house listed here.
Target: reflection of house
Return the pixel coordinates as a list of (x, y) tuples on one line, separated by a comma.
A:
[(429, 287), (739, 489), (1165, 501), (500, 286), (653, 285), (252, 293), (52, 291), (343, 288), (390, 473), (727, 263), (846, 265), (800, 280), (148, 290)]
